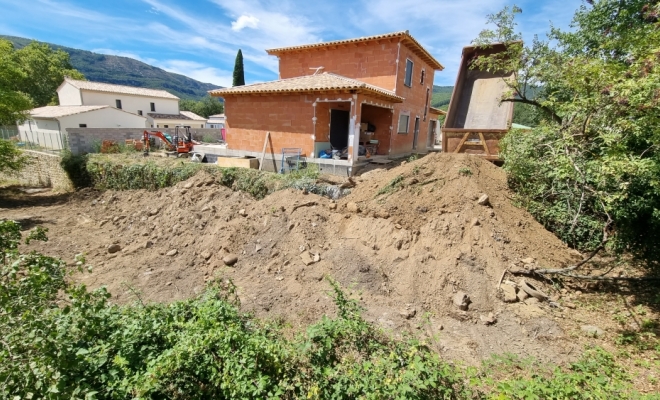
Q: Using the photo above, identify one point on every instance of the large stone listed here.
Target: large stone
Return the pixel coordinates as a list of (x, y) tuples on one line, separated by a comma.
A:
[(242, 212), (114, 248), (172, 252), (592, 330), (306, 258), (462, 300), (484, 200), (489, 319), (206, 255), (509, 294), (408, 313), (230, 259), (352, 207)]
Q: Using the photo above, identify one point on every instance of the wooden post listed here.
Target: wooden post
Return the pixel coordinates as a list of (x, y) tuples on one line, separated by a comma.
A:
[(263, 152)]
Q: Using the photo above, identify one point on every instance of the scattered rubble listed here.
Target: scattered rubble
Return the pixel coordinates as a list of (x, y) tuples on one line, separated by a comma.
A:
[(462, 301)]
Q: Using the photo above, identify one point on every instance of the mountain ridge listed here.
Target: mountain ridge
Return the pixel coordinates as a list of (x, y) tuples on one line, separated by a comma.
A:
[(127, 71)]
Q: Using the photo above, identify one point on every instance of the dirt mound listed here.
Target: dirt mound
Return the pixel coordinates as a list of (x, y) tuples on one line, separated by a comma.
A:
[(405, 242)]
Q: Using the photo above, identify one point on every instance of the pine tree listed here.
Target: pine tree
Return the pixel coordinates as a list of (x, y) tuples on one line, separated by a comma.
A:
[(239, 74)]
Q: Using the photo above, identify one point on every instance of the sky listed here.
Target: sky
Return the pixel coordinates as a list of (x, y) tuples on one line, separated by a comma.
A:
[(200, 38)]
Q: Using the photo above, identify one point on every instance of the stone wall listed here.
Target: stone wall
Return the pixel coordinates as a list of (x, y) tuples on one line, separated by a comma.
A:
[(83, 140), (43, 170)]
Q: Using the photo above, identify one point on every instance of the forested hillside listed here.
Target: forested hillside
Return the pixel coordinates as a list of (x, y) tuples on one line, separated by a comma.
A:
[(127, 71)]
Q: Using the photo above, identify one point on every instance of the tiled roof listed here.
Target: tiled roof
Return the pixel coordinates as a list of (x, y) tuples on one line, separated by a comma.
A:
[(404, 35), (170, 116), (193, 116), (62, 111), (437, 111), (110, 88), (308, 84)]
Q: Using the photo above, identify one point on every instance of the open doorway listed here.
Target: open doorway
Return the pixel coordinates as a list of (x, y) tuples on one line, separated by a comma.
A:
[(339, 128), (416, 135), (430, 139)]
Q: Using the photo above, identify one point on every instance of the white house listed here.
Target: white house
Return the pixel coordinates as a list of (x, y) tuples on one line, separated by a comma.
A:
[(216, 121), (47, 124), (160, 107)]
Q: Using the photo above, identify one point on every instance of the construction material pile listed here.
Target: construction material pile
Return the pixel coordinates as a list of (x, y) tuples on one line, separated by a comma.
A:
[(423, 246)]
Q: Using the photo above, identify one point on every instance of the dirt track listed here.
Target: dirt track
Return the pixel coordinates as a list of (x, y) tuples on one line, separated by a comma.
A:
[(404, 253)]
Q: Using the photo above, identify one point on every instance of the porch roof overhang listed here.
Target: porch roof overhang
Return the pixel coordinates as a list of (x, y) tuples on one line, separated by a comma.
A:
[(319, 83), (437, 111)]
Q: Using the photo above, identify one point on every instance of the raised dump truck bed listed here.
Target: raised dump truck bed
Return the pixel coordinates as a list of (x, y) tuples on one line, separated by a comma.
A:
[(477, 119)]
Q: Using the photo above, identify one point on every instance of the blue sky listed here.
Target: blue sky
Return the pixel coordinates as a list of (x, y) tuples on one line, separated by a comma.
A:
[(200, 38)]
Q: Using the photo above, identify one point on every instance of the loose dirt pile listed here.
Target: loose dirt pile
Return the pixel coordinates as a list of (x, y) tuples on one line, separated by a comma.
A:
[(405, 242)]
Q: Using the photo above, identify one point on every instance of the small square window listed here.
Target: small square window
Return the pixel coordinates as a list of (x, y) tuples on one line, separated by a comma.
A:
[(421, 80), (403, 123), (139, 112), (166, 126), (82, 125), (118, 103), (409, 72), (153, 107)]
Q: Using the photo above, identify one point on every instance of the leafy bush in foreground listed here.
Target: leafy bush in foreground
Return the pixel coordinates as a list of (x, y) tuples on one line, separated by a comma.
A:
[(61, 341)]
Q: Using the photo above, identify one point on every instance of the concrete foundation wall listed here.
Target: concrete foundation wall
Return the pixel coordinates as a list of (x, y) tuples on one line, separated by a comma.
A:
[(82, 140), (43, 170)]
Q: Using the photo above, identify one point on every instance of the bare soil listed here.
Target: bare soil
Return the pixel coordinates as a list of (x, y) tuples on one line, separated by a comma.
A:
[(403, 250)]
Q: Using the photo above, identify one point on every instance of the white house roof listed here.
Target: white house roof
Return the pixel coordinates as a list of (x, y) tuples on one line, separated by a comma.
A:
[(62, 111), (192, 115), (110, 88)]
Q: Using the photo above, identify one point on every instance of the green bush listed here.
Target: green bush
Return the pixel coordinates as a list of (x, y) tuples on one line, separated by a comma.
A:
[(60, 340), (75, 167)]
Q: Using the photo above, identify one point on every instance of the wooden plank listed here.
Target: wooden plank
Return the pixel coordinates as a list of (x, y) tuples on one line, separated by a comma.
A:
[(483, 140), (462, 142), (263, 152), (228, 162)]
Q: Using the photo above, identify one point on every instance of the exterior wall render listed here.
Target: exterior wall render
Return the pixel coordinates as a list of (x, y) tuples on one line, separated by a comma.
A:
[(131, 103), (69, 95), (288, 118), (371, 62)]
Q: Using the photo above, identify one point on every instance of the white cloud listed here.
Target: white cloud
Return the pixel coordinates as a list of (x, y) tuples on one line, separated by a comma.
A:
[(244, 21)]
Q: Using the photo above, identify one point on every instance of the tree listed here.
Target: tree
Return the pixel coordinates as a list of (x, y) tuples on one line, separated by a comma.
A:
[(590, 172), (206, 107), (13, 103), (45, 70), (239, 74)]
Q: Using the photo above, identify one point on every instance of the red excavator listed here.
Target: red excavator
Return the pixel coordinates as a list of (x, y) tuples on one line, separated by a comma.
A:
[(179, 144)]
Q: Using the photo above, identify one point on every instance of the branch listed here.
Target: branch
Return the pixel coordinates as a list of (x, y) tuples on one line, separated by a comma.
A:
[(552, 114)]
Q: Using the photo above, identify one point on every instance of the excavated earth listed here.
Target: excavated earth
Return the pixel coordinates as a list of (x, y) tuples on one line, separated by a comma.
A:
[(404, 242)]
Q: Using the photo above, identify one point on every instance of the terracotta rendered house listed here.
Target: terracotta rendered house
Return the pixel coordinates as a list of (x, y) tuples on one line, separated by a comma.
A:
[(364, 97)]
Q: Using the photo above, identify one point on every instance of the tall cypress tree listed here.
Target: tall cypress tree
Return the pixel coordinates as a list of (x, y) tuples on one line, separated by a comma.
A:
[(239, 74)]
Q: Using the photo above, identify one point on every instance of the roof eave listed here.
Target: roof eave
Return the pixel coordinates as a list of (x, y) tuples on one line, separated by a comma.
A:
[(391, 98)]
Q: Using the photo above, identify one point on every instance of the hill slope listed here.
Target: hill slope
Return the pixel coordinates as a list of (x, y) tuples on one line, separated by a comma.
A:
[(127, 71)]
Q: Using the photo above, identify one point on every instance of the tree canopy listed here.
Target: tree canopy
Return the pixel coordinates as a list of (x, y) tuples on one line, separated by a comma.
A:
[(591, 170), (239, 74), (29, 78), (206, 107)]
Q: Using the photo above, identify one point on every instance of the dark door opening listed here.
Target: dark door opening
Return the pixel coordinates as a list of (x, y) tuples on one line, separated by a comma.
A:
[(430, 140), (339, 124), (416, 133)]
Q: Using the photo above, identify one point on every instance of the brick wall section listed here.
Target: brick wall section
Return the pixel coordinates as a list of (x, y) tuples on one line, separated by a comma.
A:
[(322, 129), (370, 62), (43, 170), (82, 140), (288, 118), (415, 103)]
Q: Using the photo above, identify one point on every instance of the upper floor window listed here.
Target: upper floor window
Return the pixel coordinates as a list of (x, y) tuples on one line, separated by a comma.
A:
[(409, 72), (82, 125), (118, 104), (139, 112), (153, 107), (421, 80)]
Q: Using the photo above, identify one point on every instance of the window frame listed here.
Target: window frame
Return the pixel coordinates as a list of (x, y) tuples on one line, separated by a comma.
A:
[(82, 125), (118, 104), (405, 75), (153, 107), (398, 127), (422, 76), (139, 112)]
